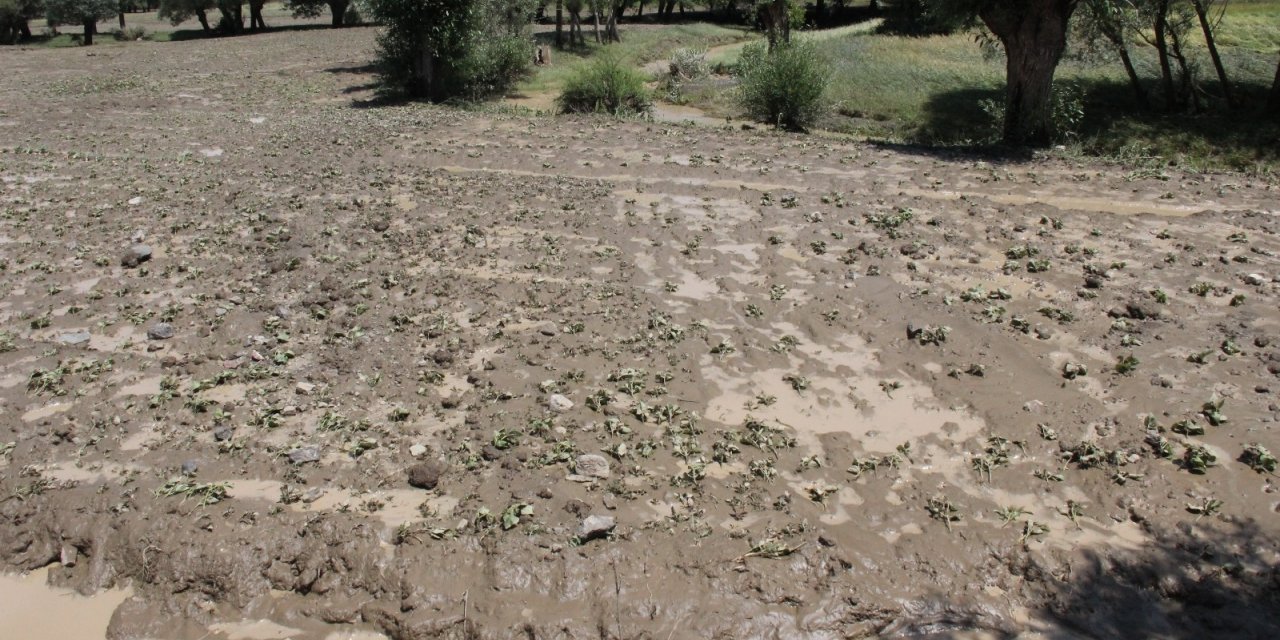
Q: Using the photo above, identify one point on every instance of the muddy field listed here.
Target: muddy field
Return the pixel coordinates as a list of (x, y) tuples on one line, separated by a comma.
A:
[(278, 359)]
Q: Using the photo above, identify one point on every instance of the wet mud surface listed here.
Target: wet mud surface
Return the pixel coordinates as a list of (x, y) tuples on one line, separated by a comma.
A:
[(416, 372)]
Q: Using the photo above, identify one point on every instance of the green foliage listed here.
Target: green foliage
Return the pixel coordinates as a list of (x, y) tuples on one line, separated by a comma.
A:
[(1067, 113), (78, 12), (607, 85), (444, 49), (917, 18), (14, 16), (784, 87)]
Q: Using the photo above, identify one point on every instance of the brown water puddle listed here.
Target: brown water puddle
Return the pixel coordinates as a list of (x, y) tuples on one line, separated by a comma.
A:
[(32, 610)]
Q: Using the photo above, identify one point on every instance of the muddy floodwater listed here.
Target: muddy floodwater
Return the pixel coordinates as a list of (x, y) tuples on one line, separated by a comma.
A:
[(32, 610), (279, 360)]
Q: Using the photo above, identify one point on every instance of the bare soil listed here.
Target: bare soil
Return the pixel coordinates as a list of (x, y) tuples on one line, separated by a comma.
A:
[(816, 368)]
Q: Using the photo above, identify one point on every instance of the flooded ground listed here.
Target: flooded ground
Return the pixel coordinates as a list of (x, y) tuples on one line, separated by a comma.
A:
[(275, 364)]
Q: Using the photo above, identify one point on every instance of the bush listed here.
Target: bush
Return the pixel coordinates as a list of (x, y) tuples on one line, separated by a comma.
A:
[(606, 86), (784, 87), (1067, 114), (689, 64)]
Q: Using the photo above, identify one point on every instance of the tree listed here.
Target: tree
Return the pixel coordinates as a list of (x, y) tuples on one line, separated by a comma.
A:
[(179, 11), (442, 49), (1202, 13), (86, 13), (15, 18), (1033, 34), (1111, 20), (313, 8)]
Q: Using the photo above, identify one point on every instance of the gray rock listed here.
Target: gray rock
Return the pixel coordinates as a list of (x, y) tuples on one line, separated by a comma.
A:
[(135, 255), (160, 331), (303, 455), (73, 339), (593, 527), (417, 450), (592, 466), (223, 433), (190, 467), (559, 403), (548, 329), (1255, 279)]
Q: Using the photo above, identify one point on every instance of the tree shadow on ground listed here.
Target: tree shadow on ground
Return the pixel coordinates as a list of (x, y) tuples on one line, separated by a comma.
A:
[(182, 35), (1112, 123), (1199, 580)]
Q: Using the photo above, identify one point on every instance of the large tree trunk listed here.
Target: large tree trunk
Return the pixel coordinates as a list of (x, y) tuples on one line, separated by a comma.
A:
[(1203, 14), (559, 24), (611, 29), (90, 26), (255, 15), (595, 16), (122, 19), (1134, 81), (204, 20), (1034, 35), (1160, 28), (25, 28), (777, 23), (338, 12)]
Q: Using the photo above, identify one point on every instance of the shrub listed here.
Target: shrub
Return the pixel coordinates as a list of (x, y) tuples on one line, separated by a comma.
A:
[(606, 86), (1067, 115), (784, 87), (688, 64)]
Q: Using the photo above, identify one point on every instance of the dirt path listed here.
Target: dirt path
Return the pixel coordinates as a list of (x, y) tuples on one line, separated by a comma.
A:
[(428, 373)]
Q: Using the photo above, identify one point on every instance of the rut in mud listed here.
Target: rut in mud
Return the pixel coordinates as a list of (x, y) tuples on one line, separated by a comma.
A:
[(838, 389)]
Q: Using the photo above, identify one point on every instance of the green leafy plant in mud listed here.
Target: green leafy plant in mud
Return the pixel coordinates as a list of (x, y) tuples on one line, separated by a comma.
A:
[(1258, 458), (1197, 459), (943, 510), (205, 493)]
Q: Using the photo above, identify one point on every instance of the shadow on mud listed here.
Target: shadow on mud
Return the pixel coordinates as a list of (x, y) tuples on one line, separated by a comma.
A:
[(1202, 580)]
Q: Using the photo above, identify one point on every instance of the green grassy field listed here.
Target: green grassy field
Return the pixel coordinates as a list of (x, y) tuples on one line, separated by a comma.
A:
[(930, 90)]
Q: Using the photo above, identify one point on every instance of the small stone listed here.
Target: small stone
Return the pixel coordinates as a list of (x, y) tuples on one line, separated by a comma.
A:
[(418, 450), (190, 467), (289, 411), (592, 466), (547, 329), (545, 494), (425, 475), (380, 225), (303, 455), (160, 331), (223, 433), (312, 494), (593, 527), (74, 339), (1044, 333), (135, 255), (304, 388), (135, 201), (443, 357), (1255, 279), (69, 555), (559, 403)]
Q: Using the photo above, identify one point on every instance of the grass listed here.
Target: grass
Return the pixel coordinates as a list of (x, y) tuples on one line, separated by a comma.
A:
[(639, 47)]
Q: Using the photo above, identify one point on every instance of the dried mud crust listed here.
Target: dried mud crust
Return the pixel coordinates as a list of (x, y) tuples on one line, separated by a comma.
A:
[(841, 390)]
